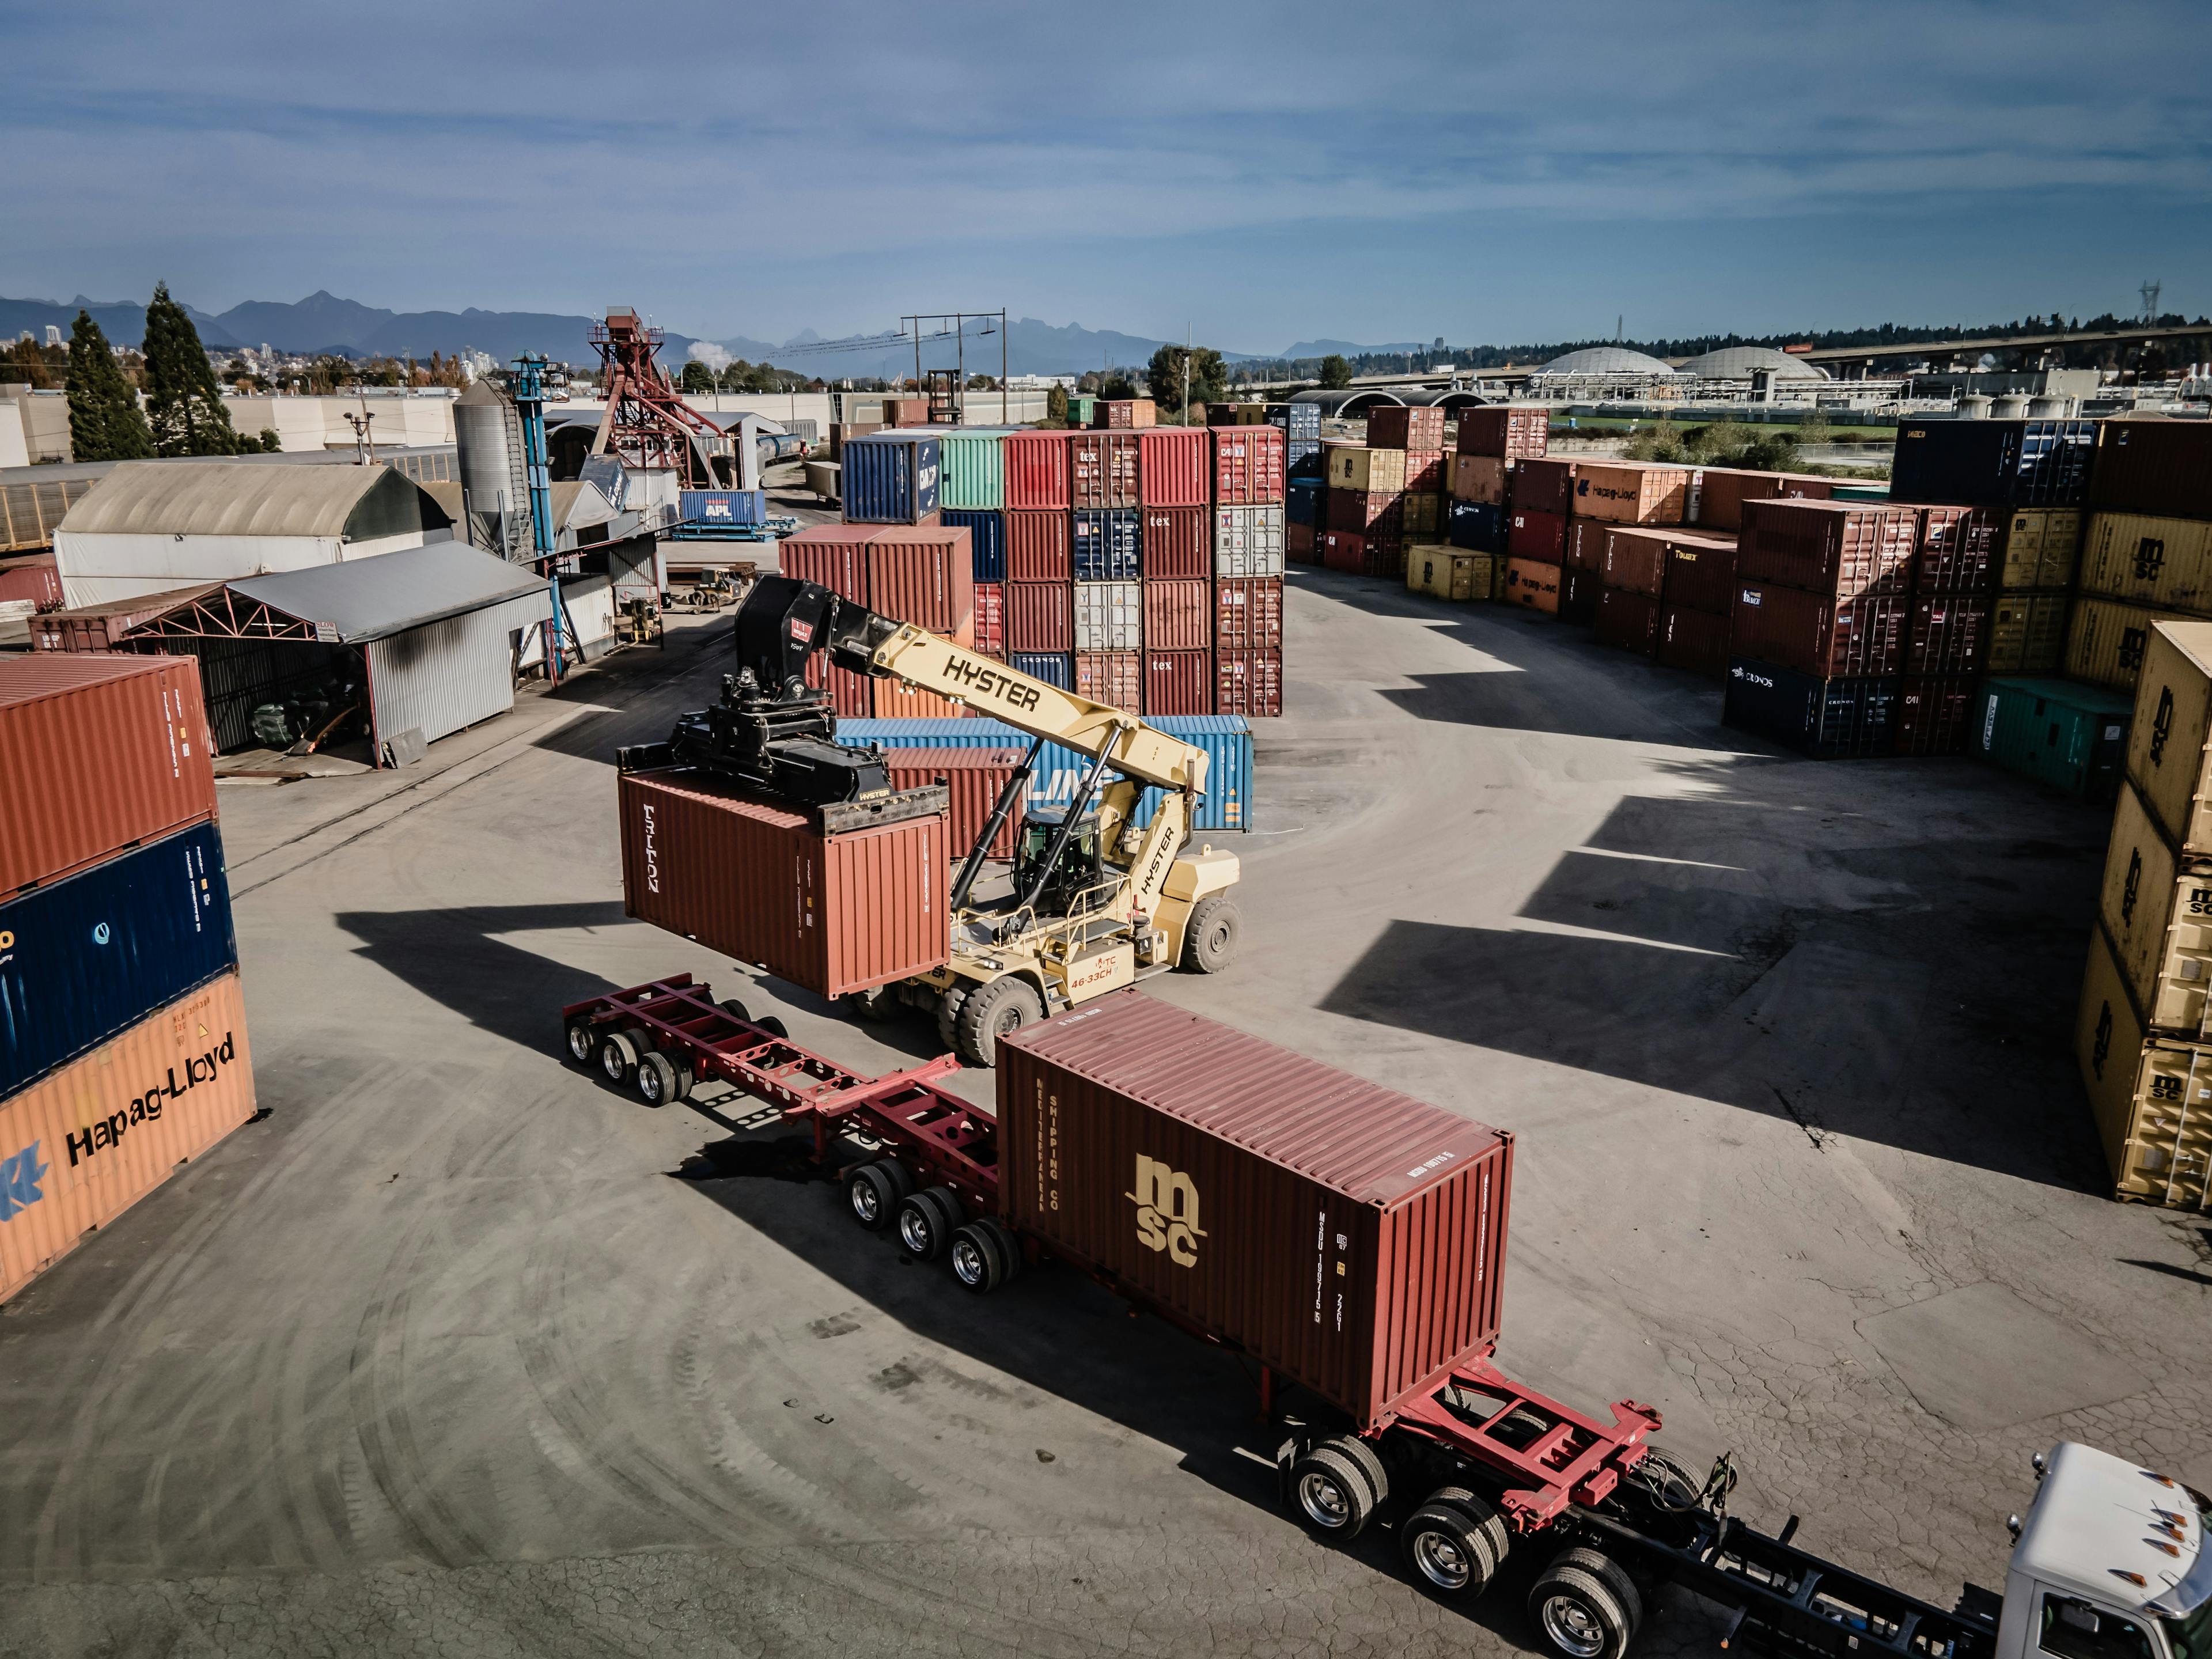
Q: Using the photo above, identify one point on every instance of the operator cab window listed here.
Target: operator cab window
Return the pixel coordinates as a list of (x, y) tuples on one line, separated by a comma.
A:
[(2073, 1629)]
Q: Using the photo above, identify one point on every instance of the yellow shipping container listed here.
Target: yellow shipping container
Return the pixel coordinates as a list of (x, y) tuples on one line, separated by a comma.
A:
[(2027, 633), (1449, 573), (2166, 562), (2151, 1098), (2040, 548), (2105, 640), (1423, 515), (2170, 738), (2156, 909), (1355, 466)]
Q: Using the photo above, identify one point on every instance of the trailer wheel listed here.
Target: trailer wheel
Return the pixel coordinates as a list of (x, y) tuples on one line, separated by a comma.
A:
[(926, 1221), (1480, 1510), (580, 1041), (1584, 1607), (985, 1256), (735, 1010), (997, 1010), (618, 1056), (658, 1080), (874, 1191), (1332, 1491), (774, 1026), (1448, 1550), (1209, 944)]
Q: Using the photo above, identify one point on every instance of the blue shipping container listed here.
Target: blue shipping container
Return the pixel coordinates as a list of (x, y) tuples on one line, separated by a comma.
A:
[(1053, 667), (1478, 526), (1226, 738), (1302, 458), (889, 477), (739, 509), (89, 957), (1303, 505), (1109, 543), (1297, 420), (987, 537)]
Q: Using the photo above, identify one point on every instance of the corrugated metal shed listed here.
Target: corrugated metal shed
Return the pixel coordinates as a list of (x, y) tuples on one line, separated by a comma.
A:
[(371, 598), (143, 498)]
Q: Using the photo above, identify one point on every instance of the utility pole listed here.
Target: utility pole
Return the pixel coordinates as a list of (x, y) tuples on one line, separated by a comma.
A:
[(1186, 369)]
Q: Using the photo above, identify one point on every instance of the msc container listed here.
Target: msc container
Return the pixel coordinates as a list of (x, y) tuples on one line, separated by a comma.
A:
[(1248, 465), (98, 754), (1449, 573), (1122, 414), (2073, 738), (1841, 718), (1947, 633), (1478, 526), (987, 540), (991, 619), (1509, 430), (1302, 503), (1701, 574), (1108, 544), (1398, 427), (1697, 640), (925, 575), (974, 464), (2000, 464), (1533, 585), (1108, 616), (2166, 562), (890, 477), (1036, 466), (1537, 537), (1179, 616), (831, 556), (1958, 551), (973, 779), (1040, 616), (1934, 713), (1115, 679), (90, 1141), (1479, 478), (2147, 889), (1818, 634), (2151, 1098), (1631, 492), (1053, 667), (94, 953), (754, 880), (1102, 470), (1248, 613), (1626, 618), (1171, 466), (2152, 465), (2170, 742), (1355, 466), (1178, 683), (1248, 541), (2027, 633), (1036, 547), (1828, 547), (2040, 547), (2105, 640), (740, 509), (1348, 1237), (1249, 682), (1175, 545)]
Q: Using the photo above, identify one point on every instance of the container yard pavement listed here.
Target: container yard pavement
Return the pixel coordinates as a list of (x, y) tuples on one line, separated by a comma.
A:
[(459, 1351)]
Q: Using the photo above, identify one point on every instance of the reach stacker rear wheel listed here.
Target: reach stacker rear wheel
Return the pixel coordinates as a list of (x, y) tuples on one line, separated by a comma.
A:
[(1584, 1606)]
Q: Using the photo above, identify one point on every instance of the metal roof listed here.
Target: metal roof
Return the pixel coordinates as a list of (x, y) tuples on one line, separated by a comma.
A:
[(230, 498), (388, 593), (1606, 360), (1736, 363)]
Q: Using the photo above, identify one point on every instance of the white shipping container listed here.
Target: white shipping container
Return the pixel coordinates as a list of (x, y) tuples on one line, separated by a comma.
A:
[(1111, 616), (1248, 541)]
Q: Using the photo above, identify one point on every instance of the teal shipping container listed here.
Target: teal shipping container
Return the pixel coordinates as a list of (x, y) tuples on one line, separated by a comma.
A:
[(2072, 737), (1080, 409), (974, 467)]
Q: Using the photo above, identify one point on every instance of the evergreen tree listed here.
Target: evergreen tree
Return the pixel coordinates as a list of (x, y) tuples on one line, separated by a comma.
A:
[(184, 405), (105, 421)]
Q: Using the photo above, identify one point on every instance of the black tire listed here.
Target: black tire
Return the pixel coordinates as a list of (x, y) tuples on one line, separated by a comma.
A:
[(1667, 1478), (948, 1015), (926, 1221), (580, 1042), (1448, 1551), (657, 1081), (874, 1192), (1209, 940), (874, 1007), (773, 1027), (735, 1010), (1584, 1607), (619, 1057), (1484, 1513), (984, 1257), (1364, 1458), (1331, 1494), (999, 1009)]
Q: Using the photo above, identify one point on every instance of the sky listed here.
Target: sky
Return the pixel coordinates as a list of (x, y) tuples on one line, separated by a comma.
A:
[(1257, 174)]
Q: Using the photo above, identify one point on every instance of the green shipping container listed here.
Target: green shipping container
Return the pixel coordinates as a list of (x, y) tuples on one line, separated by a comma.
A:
[(972, 474), (1080, 409), (2070, 736)]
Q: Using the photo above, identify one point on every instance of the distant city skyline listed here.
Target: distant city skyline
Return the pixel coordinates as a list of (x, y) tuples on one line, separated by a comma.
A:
[(1257, 174)]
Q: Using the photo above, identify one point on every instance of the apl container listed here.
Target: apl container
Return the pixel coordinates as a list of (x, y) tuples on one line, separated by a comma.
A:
[(1248, 541), (98, 754), (1248, 613), (831, 556), (974, 470), (1248, 465), (1036, 470), (2152, 465), (1837, 719), (88, 956), (891, 477), (1102, 470), (2151, 1098), (1036, 547), (1040, 616), (84, 1144), (974, 779), (1108, 544), (925, 575), (723, 509), (1348, 1237), (1108, 616), (1171, 466), (1828, 547), (987, 540), (2072, 737), (755, 880)]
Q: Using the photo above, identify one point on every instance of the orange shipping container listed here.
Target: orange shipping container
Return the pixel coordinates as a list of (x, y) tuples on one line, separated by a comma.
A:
[(1480, 479), (923, 575), (831, 556), (1178, 616), (1178, 683), (1534, 584), (1629, 492), (82, 1144)]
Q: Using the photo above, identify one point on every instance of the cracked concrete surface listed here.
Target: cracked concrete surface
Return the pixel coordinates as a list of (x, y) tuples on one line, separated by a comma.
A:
[(461, 1353)]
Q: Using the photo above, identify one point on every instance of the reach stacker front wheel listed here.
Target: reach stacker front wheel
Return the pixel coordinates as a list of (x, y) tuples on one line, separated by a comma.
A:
[(991, 1012), (1210, 945), (1584, 1606)]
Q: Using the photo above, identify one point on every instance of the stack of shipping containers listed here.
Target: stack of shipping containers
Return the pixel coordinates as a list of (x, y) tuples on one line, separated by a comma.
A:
[(126, 1052), (2146, 550), (1175, 560), (1106, 526), (1247, 484)]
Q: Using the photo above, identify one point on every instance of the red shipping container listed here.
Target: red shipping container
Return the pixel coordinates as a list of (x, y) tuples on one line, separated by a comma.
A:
[(1178, 683), (1540, 537), (98, 754), (1950, 634), (1037, 472), (1425, 470), (1694, 639), (1631, 492), (1701, 574), (1178, 616), (2153, 464), (1635, 560), (1628, 620), (1578, 592), (1584, 549), (1717, 493), (906, 411), (1818, 634), (1344, 551), (754, 880), (1223, 1179), (1959, 550), (1532, 584), (853, 695), (991, 619), (974, 779), (1398, 427), (1177, 544), (894, 699), (831, 556), (1037, 549), (1302, 542), (34, 578), (923, 575), (1102, 469), (1247, 464), (1935, 712), (1542, 486), (1114, 677), (1040, 616), (1171, 466), (1516, 431), (1357, 509), (1839, 548), (1248, 613), (1249, 682)]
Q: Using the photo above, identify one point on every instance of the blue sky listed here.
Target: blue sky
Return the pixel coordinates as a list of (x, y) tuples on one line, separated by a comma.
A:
[(1262, 173)]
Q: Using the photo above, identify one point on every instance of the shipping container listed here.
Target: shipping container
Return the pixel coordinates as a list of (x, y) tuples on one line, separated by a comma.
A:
[(1249, 682), (1244, 414), (1053, 667), (1035, 464), (1361, 509), (1108, 616), (1425, 472), (1039, 617), (1999, 464), (1115, 679), (1935, 713), (33, 577), (987, 540), (991, 619), (1625, 618), (1248, 541), (893, 699), (1341, 550), (831, 556), (2027, 633), (850, 694), (844, 432), (1544, 486), (1298, 420), (974, 464), (1302, 503), (1828, 547), (723, 509), (2041, 547), (1124, 414), (906, 411), (1479, 478), (1701, 574), (91, 628), (1509, 430), (1248, 613), (1948, 634), (1248, 465), (1631, 492), (1350, 1237), (2072, 737), (1398, 427), (1449, 573), (1478, 526), (1421, 516), (890, 477), (2149, 889), (2151, 1098), (1175, 545), (1837, 718), (2105, 640), (2170, 744), (1578, 592), (1178, 683), (1179, 616), (1036, 547), (91, 954), (1081, 408), (2152, 464), (752, 879), (98, 755), (2162, 562), (1817, 635), (1171, 466), (1585, 547), (1718, 494), (1102, 470), (1635, 560), (1355, 466), (1957, 551), (925, 575), (1108, 544), (1301, 542), (973, 779), (96, 1136), (1537, 537), (1533, 585), (1694, 641), (1302, 460)]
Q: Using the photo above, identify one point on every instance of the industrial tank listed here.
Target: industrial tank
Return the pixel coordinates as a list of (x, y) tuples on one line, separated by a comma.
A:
[(495, 492)]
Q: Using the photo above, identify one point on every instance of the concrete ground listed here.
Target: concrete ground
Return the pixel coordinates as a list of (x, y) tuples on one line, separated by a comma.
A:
[(460, 1353)]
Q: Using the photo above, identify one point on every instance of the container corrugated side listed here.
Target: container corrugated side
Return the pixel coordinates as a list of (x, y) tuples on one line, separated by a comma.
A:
[(1178, 683), (1171, 463), (1249, 682), (924, 575), (1631, 492), (1948, 634), (1040, 616), (1179, 616), (831, 556), (1828, 547), (1106, 544), (890, 477), (1696, 642), (2027, 633), (974, 470), (1108, 616), (2151, 1099), (2071, 737), (1037, 547), (987, 540), (1935, 713), (1959, 550), (2165, 563), (1406, 427), (1248, 465), (1115, 679), (1538, 538), (2170, 741), (974, 779), (1248, 541), (2154, 465), (1053, 667), (1102, 470), (1842, 718), (1817, 633), (2106, 640), (991, 619), (1176, 543), (1035, 464), (1627, 619), (1508, 430), (84, 1144), (1479, 478), (1248, 613), (97, 755), (1351, 1238)]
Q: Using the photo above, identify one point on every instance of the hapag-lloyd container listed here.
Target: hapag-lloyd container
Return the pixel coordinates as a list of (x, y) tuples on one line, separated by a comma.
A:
[(2152, 464), (1102, 469), (83, 1145), (1036, 470), (1249, 682), (1178, 682), (1631, 492), (987, 539), (922, 574), (1179, 616), (1115, 679), (831, 556), (975, 468), (1533, 585), (1108, 616), (1248, 541), (1040, 616), (1511, 431), (1171, 466), (1036, 546), (97, 754), (1248, 613), (1842, 549), (1817, 633), (1177, 544), (758, 882), (1348, 1237), (1247, 464), (974, 779), (890, 477)]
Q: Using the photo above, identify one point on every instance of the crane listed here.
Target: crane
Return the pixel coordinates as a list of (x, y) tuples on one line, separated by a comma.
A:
[(1097, 900)]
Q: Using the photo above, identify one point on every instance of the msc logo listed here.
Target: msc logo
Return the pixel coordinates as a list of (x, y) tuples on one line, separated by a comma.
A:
[(1167, 1211), (20, 1176), (2132, 887), (2100, 1047), (2161, 725)]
